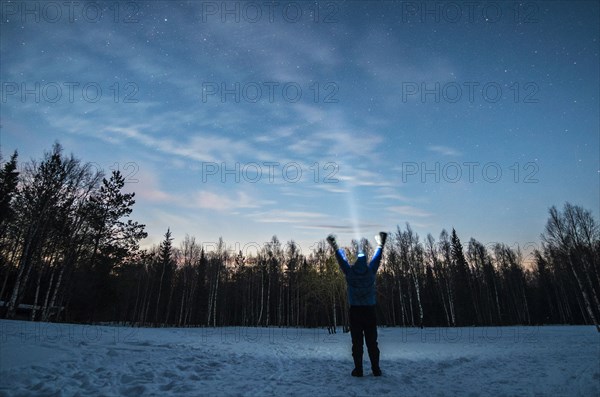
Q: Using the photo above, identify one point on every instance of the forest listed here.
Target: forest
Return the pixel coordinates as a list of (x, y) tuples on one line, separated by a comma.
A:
[(70, 252)]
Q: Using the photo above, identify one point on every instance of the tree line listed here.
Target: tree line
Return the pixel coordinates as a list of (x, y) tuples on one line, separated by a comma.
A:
[(69, 251)]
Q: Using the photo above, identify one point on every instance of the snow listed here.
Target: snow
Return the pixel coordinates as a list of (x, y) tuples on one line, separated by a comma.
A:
[(68, 359)]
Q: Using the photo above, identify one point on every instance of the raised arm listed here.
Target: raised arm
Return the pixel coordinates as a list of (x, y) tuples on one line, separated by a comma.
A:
[(340, 255), (376, 261)]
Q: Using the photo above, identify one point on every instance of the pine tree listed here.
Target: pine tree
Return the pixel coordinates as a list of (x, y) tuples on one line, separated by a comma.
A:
[(165, 266), (462, 282), (112, 235), (38, 203), (111, 238), (9, 178)]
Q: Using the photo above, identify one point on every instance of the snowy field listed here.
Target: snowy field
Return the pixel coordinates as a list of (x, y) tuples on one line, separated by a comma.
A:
[(42, 359)]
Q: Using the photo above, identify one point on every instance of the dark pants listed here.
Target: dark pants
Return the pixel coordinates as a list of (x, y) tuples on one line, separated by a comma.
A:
[(363, 323)]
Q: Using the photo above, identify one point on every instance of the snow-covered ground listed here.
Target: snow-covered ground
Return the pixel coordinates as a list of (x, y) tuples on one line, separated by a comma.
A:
[(64, 359)]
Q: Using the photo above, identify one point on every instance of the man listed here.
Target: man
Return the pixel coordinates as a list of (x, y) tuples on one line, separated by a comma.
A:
[(362, 296)]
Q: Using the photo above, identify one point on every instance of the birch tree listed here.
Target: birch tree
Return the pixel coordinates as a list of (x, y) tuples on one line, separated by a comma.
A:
[(574, 237)]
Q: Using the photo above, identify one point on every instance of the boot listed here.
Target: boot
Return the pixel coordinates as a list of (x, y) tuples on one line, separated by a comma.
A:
[(358, 368), (373, 350)]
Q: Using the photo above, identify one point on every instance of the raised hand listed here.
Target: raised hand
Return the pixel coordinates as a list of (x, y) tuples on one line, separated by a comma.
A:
[(332, 242), (380, 239)]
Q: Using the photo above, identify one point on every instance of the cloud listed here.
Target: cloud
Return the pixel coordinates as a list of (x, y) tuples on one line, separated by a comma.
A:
[(336, 228), (352, 143), (444, 150), (203, 148), (342, 228), (309, 113), (356, 177), (407, 210), (223, 202), (285, 216), (148, 189), (333, 188), (392, 196)]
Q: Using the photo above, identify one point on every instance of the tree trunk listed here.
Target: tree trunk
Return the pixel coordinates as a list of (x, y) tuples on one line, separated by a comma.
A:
[(591, 285), (169, 304), (401, 299), (23, 265), (450, 301), (47, 296), (268, 297), (416, 282), (183, 294), (210, 303), (586, 300), (215, 299), (160, 284), (410, 304), (444, 304), (36, 295), (262, 287)]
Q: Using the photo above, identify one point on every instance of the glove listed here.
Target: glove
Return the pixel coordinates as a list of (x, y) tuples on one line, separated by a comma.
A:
[(332, 242), (380, 239)]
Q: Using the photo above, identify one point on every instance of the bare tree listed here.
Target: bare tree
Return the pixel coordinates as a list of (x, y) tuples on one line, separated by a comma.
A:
[(572, 236)]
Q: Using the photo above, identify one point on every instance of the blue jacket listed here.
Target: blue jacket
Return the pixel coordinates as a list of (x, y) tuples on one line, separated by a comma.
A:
[(360, 277)]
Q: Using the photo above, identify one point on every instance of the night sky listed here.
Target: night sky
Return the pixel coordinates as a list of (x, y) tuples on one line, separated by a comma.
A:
[(297, 119)]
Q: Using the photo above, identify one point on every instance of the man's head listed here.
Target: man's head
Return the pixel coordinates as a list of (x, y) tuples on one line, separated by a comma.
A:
[(360, 266)]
